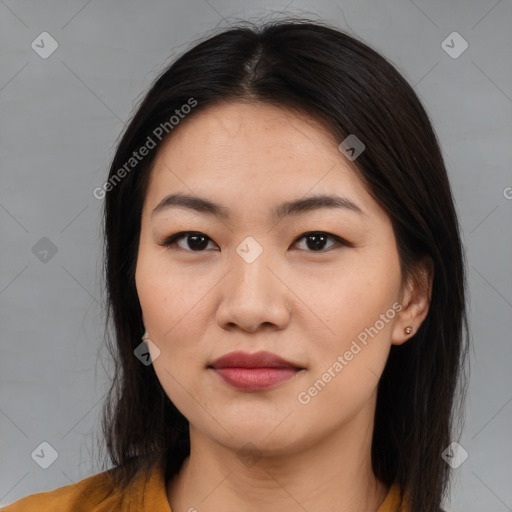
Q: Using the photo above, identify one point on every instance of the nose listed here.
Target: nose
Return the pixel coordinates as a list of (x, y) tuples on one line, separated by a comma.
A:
[(254, 296)]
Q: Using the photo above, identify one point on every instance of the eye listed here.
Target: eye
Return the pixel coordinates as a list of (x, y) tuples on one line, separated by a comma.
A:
[(195, 241), (315, 240)]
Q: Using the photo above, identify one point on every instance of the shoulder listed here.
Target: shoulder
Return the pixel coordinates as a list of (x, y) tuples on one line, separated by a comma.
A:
[(397, 501), (93, 494)]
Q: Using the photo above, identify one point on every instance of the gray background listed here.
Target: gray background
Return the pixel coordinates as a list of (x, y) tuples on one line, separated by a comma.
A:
[(59, 121)]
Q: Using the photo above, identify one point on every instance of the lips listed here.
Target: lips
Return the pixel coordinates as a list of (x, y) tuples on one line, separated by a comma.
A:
[(256, 360), (254, 372)]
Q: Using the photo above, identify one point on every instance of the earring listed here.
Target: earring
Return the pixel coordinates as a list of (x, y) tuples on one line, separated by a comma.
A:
[(145, 336), (408, 329)]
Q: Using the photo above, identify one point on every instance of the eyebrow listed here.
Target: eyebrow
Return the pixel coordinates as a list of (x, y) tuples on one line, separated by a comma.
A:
[(296, 207)]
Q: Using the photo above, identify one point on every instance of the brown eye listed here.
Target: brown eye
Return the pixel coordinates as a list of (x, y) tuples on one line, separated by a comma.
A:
[(193, 241), (316, 241)]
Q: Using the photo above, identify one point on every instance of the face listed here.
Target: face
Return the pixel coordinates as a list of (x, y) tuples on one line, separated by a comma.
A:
[(319, 286)]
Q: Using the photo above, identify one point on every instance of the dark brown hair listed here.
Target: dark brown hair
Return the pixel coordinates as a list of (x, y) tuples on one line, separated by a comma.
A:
[(335, 78)]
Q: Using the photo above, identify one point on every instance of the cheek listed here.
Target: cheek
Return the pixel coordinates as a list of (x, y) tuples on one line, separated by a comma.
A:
[(352, 296), (173, 324), (347, 365), (174, 309), (357, 308), (166, 295)]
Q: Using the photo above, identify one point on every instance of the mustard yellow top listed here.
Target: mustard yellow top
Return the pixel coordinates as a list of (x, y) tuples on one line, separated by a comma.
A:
[(97, 494)]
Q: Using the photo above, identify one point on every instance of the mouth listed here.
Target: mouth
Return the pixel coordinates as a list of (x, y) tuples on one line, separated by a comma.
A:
[(254, 372)]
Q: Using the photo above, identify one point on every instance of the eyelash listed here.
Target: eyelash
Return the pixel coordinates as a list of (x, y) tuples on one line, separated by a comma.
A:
[(173, 239)]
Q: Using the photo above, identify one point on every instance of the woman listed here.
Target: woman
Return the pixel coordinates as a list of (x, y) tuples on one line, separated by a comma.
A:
[(280, 232)]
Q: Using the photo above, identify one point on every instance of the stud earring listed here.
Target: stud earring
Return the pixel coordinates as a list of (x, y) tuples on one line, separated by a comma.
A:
[(408, 329)]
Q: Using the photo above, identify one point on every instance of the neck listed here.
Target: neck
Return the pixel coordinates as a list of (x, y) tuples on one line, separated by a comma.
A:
[(332, 475)]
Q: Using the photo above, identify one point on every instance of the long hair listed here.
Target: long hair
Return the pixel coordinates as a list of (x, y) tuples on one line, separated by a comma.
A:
[(333, 77)]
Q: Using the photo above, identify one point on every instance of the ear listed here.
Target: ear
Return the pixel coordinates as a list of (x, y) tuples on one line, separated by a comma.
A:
[(415, 300)]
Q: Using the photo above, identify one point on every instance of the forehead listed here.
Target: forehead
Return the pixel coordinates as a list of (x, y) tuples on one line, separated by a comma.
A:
[(248, 151), (236, 120)]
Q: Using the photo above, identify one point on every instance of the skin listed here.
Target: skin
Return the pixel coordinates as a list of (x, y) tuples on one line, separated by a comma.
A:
[(304, 305)]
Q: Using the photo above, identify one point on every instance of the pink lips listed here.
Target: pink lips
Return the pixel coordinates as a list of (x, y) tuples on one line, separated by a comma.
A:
[(254, 372)]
